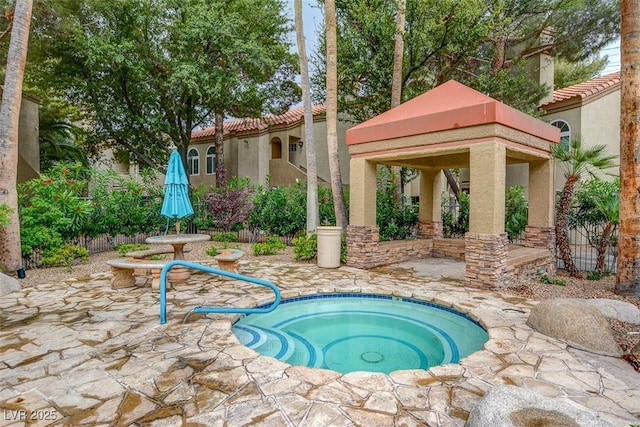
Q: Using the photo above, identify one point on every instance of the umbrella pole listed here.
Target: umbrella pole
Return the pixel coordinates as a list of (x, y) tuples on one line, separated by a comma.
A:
[(177, 226)]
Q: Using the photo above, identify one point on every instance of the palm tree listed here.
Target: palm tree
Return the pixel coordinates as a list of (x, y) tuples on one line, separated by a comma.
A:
[(396, 85), (58, 142), (10, 254), (313, 213), (576, 161), (332, 114), (628, 270), (608, 207)]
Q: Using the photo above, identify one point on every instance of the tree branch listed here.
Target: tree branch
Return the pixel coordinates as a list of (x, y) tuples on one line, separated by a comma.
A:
[(148, 161)]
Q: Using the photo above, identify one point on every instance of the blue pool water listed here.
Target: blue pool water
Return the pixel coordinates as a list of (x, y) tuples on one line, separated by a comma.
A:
[(360, 332)]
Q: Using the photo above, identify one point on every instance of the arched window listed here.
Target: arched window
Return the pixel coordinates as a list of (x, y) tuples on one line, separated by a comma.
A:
[(211, 160), (193, 161), (565, 131)]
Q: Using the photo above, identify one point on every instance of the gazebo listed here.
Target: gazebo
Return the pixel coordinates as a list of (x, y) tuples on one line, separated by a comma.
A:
[(454, 126)]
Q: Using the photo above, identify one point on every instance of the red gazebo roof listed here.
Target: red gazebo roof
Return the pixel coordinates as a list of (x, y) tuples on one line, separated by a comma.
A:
[(451, 105)]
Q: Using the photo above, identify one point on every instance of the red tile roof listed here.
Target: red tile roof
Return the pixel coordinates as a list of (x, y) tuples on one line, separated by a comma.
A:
[(586, 89), (451, 105), (291, 117)]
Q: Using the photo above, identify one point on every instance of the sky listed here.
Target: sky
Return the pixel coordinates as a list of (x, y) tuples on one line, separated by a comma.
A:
[(311, 19), (612, 50)]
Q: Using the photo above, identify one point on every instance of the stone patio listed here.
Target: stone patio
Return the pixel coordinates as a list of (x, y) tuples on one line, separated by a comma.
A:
[(86, 354)]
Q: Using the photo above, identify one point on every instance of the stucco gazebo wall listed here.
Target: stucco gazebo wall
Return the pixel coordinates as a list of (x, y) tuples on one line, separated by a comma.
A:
[(453, 126)]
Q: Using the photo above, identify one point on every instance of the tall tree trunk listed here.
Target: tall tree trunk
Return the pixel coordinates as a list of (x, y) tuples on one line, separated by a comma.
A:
[(453, 184), (313, 213), (332, 114), (396, 86), (562, 226), (628, 269), (10, 251), (603, 245), (221, 171)]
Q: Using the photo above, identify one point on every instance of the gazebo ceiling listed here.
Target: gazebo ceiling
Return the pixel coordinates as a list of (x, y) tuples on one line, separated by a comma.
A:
[(446, 121)]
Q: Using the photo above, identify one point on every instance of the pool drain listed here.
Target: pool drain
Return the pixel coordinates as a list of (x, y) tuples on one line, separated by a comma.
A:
[(372, 357)]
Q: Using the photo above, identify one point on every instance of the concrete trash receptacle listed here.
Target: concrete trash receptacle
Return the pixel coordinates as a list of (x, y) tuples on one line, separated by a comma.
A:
[(329, 244)]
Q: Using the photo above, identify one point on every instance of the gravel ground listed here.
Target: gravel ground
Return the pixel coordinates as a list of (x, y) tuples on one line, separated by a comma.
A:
[(628, 335), (98, 262)]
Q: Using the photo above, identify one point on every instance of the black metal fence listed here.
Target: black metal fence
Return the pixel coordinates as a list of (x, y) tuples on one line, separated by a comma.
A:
[(108, 243), (92, 244), (583, 248)]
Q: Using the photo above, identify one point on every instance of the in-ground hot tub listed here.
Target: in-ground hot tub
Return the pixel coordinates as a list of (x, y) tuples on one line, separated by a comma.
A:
[(361, 332)]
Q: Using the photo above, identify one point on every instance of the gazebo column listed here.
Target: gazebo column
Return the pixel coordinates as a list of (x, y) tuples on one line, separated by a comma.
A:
[(429, 216), (540, 231), (363, 235), (486, 242)]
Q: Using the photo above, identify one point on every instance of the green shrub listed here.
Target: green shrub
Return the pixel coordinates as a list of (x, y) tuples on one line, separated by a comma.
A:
[(53, 208), (124, 205), (395, 220), (201, 217), (270, 246), (455, 213), (225, 237), (63, 255), (455, 221), (282, 210), (124, 248), (594, 275), (215, 250), (544, 278), (275, 242), (212, 251), (305, 247), (516, 211)]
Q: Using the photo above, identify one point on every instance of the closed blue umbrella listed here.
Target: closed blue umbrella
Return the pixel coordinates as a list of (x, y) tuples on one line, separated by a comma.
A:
[(176, 203)]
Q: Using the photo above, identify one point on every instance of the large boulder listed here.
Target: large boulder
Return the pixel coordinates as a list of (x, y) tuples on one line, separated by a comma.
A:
[(578, 323), (8, 284), (616, 309), (509, 406)]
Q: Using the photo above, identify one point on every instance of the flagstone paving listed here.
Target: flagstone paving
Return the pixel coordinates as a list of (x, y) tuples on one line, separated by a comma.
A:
[(81, 353)]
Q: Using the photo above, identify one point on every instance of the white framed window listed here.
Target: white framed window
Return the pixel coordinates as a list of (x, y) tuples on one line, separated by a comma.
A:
[(565, 132), (293, 147), (193, 161), (210, 159)]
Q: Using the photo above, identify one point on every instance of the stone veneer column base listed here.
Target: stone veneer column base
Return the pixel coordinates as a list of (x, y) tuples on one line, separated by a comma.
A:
[(486, 260), (429, 229), (540, 237), (363, 242)]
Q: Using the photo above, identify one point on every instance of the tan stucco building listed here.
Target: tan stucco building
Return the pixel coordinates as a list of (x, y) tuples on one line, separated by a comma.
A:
[(268, 148), (589, 111)]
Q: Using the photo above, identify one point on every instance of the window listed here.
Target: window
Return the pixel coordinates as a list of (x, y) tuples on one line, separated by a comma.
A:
[(293, 147), (211, 160), (193, 161), (565, 132)]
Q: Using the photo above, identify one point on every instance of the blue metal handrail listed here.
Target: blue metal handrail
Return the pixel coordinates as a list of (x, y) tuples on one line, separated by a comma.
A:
[(204, 310)]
